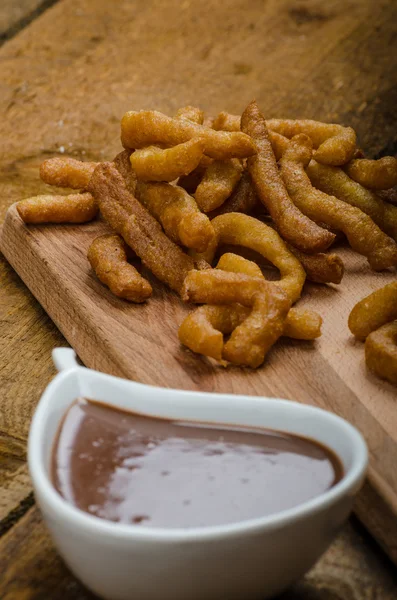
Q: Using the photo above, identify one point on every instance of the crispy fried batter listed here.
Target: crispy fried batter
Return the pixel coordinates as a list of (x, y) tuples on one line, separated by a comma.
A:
[(139, 229), (218, 182), (363, 234), (123, 165), (74, 208), (155, 164), (300, 323), (242, 230), (335, 144), (203, 329), (178, 213), (374, 174), (144, 128), (294, 227), (67, 172), (373, 311), (191, 113), (224, 121), (320, 268), (108, 257), (243, 198), (335, 182), (227, 122), (250, 341), (381, 352)]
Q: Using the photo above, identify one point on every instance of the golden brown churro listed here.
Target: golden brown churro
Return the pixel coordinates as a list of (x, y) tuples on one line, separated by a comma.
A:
[(335, 182), (242, 230), (243, 198), (294, 226), (67, 172), (123, 165), (108, 257), (217, 183), (362, 233), (138, 228), (155, 164), (74, 208), (145, 128), (335, 144), (320, 268), (191, 113), (373, 311), (227, 122), (378, 174), (381, 352), (178, 213), (250, 341)]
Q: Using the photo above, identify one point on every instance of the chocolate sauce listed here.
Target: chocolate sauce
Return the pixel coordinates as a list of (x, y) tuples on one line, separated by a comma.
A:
[(129, 468)]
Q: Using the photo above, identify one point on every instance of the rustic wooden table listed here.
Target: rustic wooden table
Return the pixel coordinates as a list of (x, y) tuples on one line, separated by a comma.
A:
[(69, 69)]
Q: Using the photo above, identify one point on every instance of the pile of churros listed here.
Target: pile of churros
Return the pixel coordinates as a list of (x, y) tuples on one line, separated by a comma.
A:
[(186, 191)]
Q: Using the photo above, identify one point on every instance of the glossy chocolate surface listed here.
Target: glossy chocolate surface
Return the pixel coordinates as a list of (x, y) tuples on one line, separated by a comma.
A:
[(129, 468)]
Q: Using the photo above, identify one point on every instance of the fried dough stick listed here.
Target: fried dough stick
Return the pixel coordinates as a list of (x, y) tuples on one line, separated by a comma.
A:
[(191, 113), (373, 311), (145, 128), (378, 174), (381, 352), (363, 234), (251, 340), (227, 122), (335, 144), (335, 182), (126, 215), (203, 329), (178, 213), (176, 210), (217, 183), (243, 198), (74, 208), (156, 164), (123, 165), (108, 257), (241, 230), (294, 226), (320, 268), (67, 172)]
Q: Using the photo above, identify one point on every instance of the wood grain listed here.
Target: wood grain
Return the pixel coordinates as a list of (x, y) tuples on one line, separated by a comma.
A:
[(70, 91), (15, 486), (117, 337), (65, 93), (34, 571)]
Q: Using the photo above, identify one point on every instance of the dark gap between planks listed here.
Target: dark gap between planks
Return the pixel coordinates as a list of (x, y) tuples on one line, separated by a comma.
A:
[(16, 514), (25, 21)]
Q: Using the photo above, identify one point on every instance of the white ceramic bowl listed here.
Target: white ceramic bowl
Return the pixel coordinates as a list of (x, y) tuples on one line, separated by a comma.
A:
[(257, 558)]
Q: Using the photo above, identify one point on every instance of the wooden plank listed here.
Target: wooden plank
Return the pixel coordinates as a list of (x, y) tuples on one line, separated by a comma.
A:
[(333, 60), (32, 570), (27, 334), (70, 91), (116, 337), (15, 487)]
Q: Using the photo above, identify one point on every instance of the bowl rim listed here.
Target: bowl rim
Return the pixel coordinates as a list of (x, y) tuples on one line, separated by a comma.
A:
[(101, 527)]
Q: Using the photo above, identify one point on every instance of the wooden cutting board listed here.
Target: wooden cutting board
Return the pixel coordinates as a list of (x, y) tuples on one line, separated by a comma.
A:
[(140, 342)]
